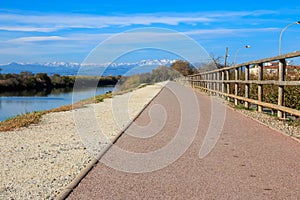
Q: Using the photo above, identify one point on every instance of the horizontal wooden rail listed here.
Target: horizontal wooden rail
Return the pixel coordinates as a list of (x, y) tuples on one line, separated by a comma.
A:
[(227, 82), (264, 104), (267, 82)]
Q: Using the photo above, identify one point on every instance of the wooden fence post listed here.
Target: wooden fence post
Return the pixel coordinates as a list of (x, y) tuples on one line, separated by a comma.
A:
[(208, 83), (260, 87), (200, 82), (281, 77), (206, 78), (200, 78), (218, 83), (193, 83), (247, 85), (223, 84), (228, 84), (236, 85), (211, 83)]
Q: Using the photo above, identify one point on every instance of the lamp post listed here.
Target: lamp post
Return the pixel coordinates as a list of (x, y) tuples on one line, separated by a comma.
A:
[(246, 46), (281, 32)]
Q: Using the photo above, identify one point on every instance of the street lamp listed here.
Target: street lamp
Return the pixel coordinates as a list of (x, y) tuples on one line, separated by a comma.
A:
[(281, 32), (246, 46)]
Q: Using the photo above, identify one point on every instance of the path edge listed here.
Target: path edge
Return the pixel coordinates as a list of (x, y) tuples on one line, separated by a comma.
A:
[(250, 117), (71, 186)]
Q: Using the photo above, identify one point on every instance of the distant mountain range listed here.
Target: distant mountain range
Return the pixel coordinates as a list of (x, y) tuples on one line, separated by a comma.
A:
[(65, 68)]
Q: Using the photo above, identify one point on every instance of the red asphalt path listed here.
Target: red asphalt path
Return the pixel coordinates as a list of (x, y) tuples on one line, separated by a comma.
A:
[(249, 161)]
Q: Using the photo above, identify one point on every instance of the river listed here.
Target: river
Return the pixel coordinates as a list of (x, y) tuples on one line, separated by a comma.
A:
[(16, 103)]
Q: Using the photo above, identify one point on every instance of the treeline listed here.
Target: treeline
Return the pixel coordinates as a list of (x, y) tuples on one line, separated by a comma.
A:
[(41, 81), (162, 73)]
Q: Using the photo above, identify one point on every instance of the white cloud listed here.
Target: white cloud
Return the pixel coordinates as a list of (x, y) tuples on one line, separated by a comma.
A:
[(37, 39), (27, 29), (52, 22), (226, 14), (140, 34), (93, 21), (228, 31)]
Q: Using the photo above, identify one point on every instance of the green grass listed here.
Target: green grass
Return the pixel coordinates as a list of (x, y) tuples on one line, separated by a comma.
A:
[(292, 122), (27, 119), (20, 121)]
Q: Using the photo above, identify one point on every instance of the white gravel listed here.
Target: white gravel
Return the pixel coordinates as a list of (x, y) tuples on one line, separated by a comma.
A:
[(37, 162), (273, 122), (281, 125)]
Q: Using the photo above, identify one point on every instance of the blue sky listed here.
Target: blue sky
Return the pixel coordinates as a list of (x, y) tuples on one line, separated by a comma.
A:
[(47, 31)]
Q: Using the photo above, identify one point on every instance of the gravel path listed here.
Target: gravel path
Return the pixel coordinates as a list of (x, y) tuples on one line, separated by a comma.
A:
[(249, 161), (37, 162)]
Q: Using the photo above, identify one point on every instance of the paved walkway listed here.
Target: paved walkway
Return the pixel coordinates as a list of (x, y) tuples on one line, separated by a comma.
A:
[(249, 160)]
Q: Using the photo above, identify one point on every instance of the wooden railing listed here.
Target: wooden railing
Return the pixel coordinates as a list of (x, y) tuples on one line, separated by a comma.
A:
[(218, 81)]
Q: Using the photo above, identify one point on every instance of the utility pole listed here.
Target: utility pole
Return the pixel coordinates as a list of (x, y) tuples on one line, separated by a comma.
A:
[(226, 55)]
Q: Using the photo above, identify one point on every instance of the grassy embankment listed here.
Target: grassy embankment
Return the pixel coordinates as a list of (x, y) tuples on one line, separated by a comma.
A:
[(27, 119), (41, 81)]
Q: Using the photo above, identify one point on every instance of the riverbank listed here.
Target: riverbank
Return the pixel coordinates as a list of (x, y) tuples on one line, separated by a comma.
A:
[(44, 82), (38, 161), (12, 105)]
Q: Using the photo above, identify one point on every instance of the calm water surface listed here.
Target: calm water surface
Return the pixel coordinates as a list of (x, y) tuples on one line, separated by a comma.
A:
[(15, 103)]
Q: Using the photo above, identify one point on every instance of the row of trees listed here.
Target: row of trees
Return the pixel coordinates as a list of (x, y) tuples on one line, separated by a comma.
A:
[(162, 73), (41, 81)]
